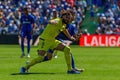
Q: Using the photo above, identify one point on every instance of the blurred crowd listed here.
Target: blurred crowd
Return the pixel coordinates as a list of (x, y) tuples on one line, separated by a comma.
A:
[(42, 10), (109, 20)]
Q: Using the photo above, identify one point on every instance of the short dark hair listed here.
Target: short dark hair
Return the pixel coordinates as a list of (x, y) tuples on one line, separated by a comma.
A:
[(65, 12), (25, 9)]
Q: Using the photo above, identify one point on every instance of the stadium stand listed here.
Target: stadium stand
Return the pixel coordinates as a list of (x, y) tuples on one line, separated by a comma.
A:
[(105, 18), (88, 14), (11, 10)]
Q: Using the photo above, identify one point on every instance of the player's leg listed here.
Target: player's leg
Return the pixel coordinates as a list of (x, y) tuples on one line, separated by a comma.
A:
[(42, 50), (39, 59), (67, 54), (22, 35), (28, 47), (22, 47), (66, 51), (29, 37), (67, 42), (47, 57), (73, 65)]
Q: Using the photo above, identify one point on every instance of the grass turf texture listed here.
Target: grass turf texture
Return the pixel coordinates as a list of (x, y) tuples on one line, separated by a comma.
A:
[(99, 64)]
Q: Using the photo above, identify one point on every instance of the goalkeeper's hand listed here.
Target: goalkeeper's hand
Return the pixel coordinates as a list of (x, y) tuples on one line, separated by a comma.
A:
[(78, 36)]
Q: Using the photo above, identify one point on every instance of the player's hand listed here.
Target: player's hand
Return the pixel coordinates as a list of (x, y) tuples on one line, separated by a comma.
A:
[(78, 36), (72, 38)]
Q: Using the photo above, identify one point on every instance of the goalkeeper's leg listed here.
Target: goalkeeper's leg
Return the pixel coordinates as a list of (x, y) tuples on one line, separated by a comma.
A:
[(39, 59), (68, 59)]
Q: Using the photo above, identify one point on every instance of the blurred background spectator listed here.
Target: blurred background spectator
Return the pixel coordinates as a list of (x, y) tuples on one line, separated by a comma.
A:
[(109, 20), (43, 11)]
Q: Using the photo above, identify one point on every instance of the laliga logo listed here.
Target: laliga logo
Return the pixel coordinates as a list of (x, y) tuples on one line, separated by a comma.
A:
[(100, 40)]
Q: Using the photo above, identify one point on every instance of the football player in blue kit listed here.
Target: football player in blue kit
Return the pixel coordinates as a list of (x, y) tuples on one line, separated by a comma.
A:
[(27, 23)]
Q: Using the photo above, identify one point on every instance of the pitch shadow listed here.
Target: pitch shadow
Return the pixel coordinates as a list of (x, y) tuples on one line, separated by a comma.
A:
[(30, 73)]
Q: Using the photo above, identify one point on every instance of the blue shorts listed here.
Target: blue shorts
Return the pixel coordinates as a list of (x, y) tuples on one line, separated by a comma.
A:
[(26, 34)]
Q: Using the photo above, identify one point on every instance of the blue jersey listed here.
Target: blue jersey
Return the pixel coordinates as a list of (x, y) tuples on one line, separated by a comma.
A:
[(27, 22), (72, 31)]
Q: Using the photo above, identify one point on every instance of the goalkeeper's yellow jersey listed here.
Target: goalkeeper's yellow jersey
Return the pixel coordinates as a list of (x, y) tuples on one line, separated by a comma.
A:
[(52, 30)]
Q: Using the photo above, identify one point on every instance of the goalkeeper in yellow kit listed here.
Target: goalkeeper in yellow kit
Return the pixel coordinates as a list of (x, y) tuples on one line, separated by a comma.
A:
[(48, 42)]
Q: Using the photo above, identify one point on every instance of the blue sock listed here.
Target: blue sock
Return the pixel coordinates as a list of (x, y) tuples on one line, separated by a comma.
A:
[(28, 46), (22, 45), (73, 64), (45, 58)]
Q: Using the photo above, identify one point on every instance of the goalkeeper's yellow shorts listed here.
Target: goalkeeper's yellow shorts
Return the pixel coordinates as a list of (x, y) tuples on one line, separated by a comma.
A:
[(48, 44)]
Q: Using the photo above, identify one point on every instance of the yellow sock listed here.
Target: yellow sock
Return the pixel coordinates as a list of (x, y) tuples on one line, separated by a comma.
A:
[(68, 58), (34, 61)]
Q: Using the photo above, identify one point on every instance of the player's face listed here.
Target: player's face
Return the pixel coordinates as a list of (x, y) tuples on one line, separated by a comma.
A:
[(66, 18), (26, 11)]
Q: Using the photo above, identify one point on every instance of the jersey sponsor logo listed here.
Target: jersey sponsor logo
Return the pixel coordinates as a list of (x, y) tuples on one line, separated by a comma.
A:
[(100, 40), (26, 22)]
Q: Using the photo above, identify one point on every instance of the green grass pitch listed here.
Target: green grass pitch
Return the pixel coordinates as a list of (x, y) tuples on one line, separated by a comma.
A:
[(99, 63)]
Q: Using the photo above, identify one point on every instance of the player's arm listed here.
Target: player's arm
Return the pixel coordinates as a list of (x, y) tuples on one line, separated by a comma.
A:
[(68, 35), (55, 22)]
